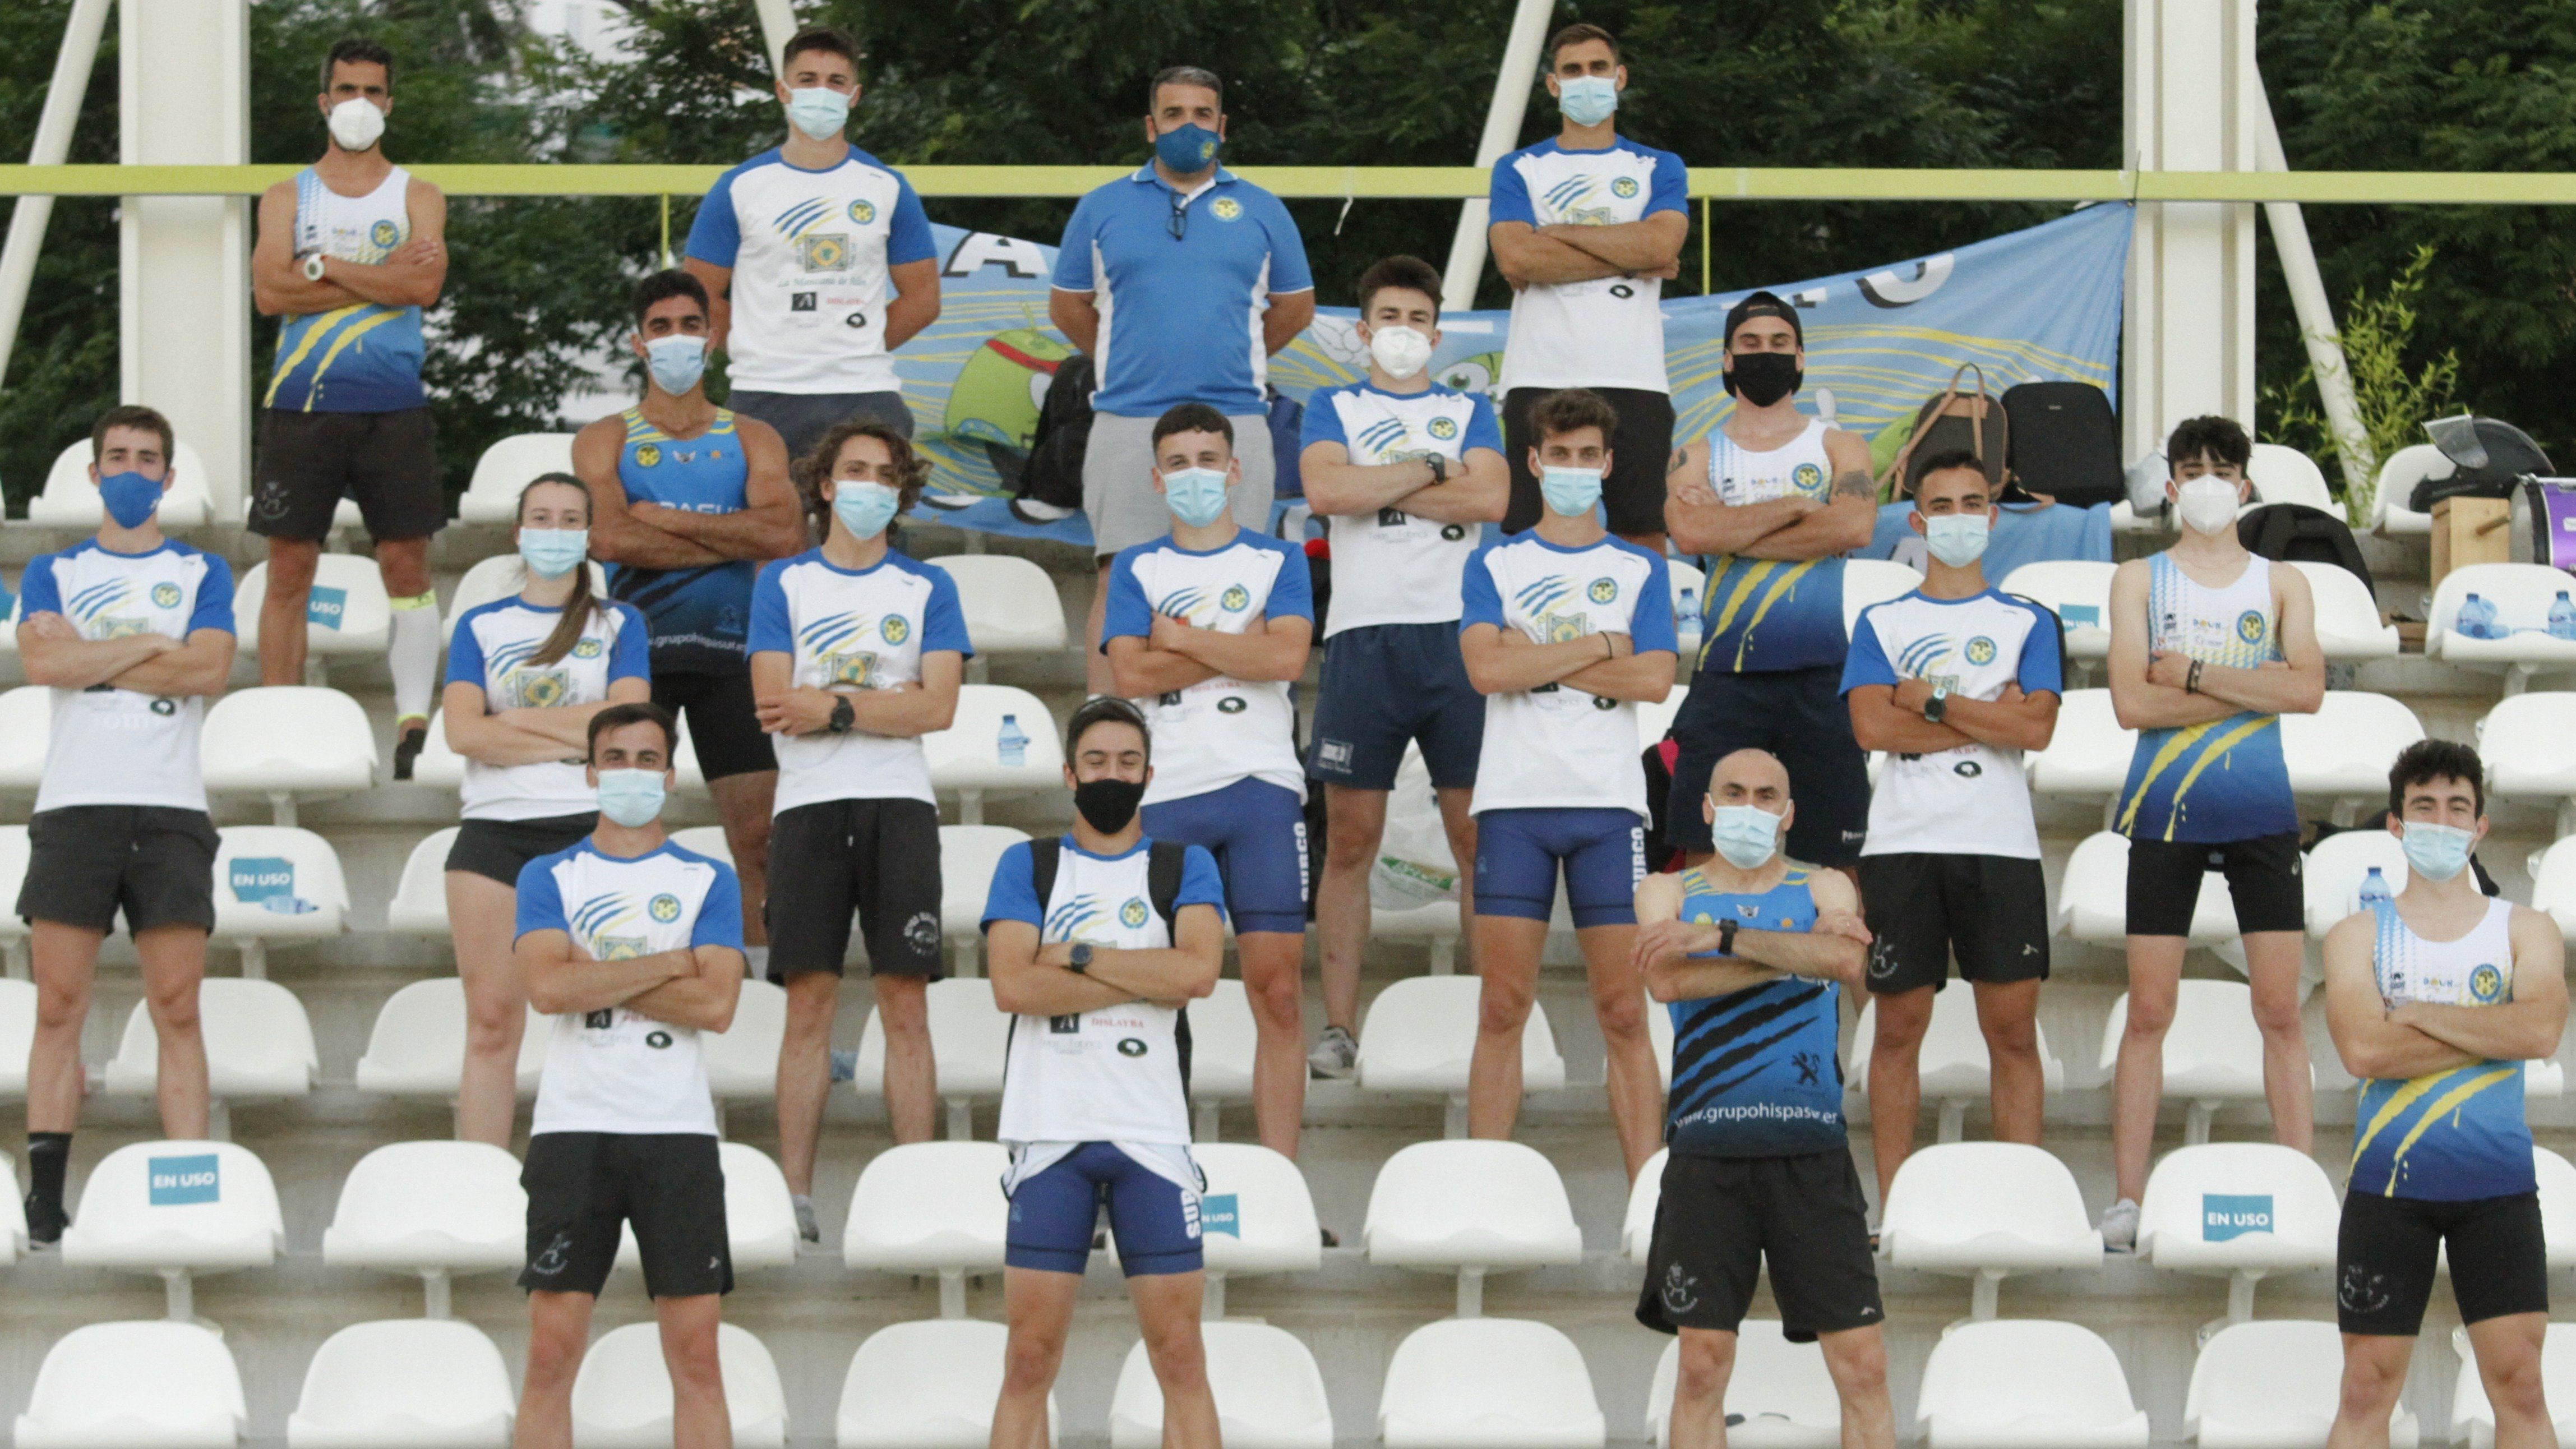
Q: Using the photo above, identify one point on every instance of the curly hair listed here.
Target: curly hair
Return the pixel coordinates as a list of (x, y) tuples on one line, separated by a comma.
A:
[(911, 470)]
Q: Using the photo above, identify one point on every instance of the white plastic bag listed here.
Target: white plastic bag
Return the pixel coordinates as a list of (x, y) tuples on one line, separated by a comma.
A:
[(1414, 866)]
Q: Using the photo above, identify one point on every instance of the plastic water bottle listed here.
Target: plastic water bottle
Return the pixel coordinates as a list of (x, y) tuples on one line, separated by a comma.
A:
[(2562, 618), (1686, 621), (2374, 889), (1012, 744), (2478, 618)]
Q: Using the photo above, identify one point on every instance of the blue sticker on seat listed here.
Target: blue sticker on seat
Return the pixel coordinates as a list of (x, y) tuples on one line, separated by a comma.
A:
[(258, 878), (325, 607), (2225, 1215), (2086, 616), (1218, 1214), (176, 1181)]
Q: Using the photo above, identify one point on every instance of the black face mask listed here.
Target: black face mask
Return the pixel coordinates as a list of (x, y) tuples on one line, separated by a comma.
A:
[(1107, 805), (1763, 378)]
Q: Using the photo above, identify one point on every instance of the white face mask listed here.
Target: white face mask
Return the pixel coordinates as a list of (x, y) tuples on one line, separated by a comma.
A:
[(356, 124), (1400, 351), (2208, 503)]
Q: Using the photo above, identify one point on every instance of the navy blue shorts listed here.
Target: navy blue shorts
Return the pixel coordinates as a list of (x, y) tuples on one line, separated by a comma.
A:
[(1796, 714), (1517, 852), (1155, 1220), (1257, 832), (1385, 684)]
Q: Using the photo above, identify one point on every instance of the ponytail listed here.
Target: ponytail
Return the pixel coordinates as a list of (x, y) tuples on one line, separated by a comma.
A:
[(584, 602)]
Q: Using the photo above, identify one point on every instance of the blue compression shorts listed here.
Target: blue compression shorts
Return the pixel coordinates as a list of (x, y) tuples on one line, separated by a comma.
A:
[(1155, 1219), (1518, 851), (1257, 832)]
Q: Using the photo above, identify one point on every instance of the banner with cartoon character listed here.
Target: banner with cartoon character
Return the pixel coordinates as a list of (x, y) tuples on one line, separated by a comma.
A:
[(2042, 304)]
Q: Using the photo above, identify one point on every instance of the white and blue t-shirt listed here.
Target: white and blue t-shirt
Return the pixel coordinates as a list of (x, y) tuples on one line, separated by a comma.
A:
[(494, 649), (118, 746), (854, 629), (1607, 332), (1972, 799), (1556, 746), (1218, 730), (615, 1070), (809, 252), (1391, 567), (1180, 319), (1112, 1075)]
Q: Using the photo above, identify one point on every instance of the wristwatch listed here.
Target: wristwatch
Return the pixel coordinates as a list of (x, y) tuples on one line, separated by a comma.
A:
[(1726, 937), (1938, 705), (1439, 468), (313, 267), (1078, 961), (843, 716)]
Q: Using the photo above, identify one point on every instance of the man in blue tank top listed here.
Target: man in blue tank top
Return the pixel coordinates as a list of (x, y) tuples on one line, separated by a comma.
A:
[(2437, 998), (1751, 954)]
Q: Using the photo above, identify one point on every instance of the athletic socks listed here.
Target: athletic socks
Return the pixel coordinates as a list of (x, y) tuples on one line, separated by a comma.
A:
[(413, 655), (49, 1156)]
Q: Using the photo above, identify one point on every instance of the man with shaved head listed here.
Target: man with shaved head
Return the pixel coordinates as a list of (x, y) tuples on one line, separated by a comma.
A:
[(1751, 952)]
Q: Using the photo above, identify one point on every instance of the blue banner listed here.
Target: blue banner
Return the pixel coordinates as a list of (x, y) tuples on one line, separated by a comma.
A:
[(2041, 304)]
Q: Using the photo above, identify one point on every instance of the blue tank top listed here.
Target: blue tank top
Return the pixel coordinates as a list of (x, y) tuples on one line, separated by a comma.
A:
[(2223, 779), (2449, 1136), (364, 357), (1755, 1072), (698, 617)]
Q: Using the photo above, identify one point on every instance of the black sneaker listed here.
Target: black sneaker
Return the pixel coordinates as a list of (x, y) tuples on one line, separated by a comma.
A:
[(410, 737), (45, 1221)]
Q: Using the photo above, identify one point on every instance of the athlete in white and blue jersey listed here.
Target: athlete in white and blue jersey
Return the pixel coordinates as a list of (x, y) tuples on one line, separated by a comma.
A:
[(1098, 941), (2210, 645), (820, 259), (1750, 953), (1406, 474), (1565, 631), (130, 632), (524, 675), (2437, 998), (1207, 628), (856, 653)]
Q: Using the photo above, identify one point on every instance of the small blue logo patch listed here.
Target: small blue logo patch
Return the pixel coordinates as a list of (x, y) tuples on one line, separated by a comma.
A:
[(2226, 1215), (178, 1181), (324, 608)]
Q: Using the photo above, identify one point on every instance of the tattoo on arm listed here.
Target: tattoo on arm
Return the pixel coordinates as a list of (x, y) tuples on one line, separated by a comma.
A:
[(1855, 483), (1674, 465)]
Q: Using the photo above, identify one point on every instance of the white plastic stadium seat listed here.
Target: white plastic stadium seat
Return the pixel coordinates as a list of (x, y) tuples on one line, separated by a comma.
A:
[(2553, 881), (13, 875), (1637, 1226), (93, 1391), (1494, 1206), (405, 1383), (1222, 1039), (760, 1218), (969, 755), (259, 1043), (1420, 1032), (925, 1385), (2244, 1210), (1868, 581), (2557, 1206), (431, 1208), (285, 741), (1488, 1383), (742, 1060), (419, 906), (967, 856), (2282, 474), (1256, 1215), (2078, 591), (1986, 1209), (2522, 595), (198, 1206), (17, 1027), (2346, 747), (2389, 514), (2528, 743), (346, 613), (2213, 1051), (1781, 1390), (499, 577), (2088, 754), (1956, 1071), (506, 468), (2349, 626), (2337, 866), (2025, 1383), (70, 500), (437, 764), (1010, 604), (275, 884), (2093, 897), (1268, 1392), (26, 730), (621, 1399), (417, 1048), (2274, 1385), (2473, 1418), (929, 1207), (969, 1037), (1654, 721)]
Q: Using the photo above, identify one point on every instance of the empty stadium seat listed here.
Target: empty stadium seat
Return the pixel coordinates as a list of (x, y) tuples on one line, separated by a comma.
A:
[(17, 1035), (926, 1385), (506, 468), (402, 1383), (437, 764), (1868, 581), (2528, 742), (435, 1209), (1488, 1383), (417, 1048), (742, 1060), (2473, 1418), (1435, 925), (70, 500), (1470, 1207), (931, 1207), (419, 904), (1654, 720), (621, 1399), (760, 1218), (967, 857), (2282, 474), (2024, 1383), (2346, 747), (1779, 1395), (2521, 596), (2078, 591), (2088, 753), (1986, 1209), (2273, 1385), (499, 577), (1223, 1036), (969, 1037), (2093, 897), (1637, 1225), (13, 876), (2391, 515), (92, 1392), (1256, 1214), (1010, 604), (345, 615), (2557, 1181), (26, 730), (275, 884), (2553, 881), (1268, 1392), (2242, 1209), (2336, 866), (2213, 1051), (2348, 622), (1420, 1033), (259, 1043), (970, 758), (1952, 1060), (176, 1208), (287, 742)]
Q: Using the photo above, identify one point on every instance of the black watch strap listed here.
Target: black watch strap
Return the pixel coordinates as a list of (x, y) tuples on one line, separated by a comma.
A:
[(1439, 468), (1726, 938), (1078, 960), (844, 715)]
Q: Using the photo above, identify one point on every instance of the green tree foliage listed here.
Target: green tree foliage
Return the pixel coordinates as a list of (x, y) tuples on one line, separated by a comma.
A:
[(2393, 393)]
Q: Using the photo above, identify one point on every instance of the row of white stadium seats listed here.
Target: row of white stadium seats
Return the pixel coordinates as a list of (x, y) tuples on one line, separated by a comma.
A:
[(70, 501)]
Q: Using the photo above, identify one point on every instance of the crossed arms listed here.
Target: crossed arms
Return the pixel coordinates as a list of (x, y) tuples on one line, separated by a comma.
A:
[(693, 987), (1038, 980), (2415, 1040), (54, 654), (1670, 952)]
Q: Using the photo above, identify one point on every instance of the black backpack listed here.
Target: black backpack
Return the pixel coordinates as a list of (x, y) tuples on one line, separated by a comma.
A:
[(1053, 473), (2065, 442), (1162, 887), (2297, 533)]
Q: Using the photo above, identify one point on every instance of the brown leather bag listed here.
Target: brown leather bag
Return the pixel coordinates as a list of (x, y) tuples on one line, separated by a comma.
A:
[(1953, 418)]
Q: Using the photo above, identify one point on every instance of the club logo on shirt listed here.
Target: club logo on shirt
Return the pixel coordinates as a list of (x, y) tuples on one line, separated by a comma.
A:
[(1129, 1046), (657, 1040), (648, 455), (2249, 626), (1556, 628), (1453, 532), (1605, 702), (1225, 208), (828, 252), (1231, 704), (1235, 600), (1602, 591), (539, 688), (117, 626), (165, 596), (586, 649), (863, 212), (1132, 914), (1443, 428), (617, 948), (1981, 650), (896, 628), (858, 666), (165, 706), (665, 908), (1625, 186), (384, 233), (2486, 985), (1807, 478)]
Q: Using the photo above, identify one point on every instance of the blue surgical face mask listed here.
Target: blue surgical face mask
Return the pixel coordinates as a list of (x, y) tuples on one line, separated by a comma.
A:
[(632, 798), (1196, 496), (863, 507), (551, 553), (1570, 491), (1746, 835), (1188, 149), (819, 111), (676, 362), (1956, 539), (129, 497), (2437, 852), (1587, 100)]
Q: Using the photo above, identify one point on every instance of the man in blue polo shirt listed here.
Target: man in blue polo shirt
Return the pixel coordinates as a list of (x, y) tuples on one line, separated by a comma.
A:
[(1180, 280)]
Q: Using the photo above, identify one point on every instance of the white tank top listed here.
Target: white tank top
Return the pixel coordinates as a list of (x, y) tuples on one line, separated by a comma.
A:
[(352, 228), (2231, 626), (1739, 475), (2475, 970)]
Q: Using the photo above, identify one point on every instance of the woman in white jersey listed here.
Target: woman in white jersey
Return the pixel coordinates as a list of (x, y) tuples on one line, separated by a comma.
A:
[(524, 676)]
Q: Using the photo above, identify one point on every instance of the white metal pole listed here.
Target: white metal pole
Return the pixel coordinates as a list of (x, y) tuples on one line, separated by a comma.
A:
[(1502, 127), (777, 27), (28, 219), (2315, 313)]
